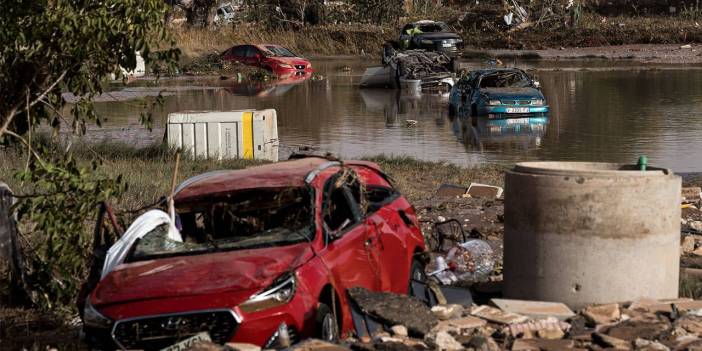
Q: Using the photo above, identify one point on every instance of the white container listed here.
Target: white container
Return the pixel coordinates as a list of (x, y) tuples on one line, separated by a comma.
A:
[(248, 134)]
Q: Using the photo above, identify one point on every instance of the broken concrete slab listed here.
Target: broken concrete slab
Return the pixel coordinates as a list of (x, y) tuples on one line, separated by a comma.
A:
[(529, 328), (461, 325), (445, 342), (542, 344), (534, 309), (444, 312), (498, 316), (610, 341), (550, 334), (630, 330), (242, 346), (484, 191), (451, 190), (316, 345), (393, 309), (665, 305), (602, 314)]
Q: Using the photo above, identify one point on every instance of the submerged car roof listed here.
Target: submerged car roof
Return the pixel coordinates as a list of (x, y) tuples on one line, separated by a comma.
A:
[(275, 175)]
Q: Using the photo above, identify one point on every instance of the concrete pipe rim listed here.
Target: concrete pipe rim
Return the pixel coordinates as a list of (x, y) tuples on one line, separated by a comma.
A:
[(604, 169)]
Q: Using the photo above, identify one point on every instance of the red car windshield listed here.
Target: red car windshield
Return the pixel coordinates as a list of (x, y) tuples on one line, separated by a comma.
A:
[(242, 220), (279, 51)]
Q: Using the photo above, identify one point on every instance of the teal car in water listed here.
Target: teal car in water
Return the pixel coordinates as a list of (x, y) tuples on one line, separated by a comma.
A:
[(498, 93)]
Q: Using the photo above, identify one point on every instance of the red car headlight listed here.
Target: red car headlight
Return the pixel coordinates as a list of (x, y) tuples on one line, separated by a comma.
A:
[(280, 292), (284, 65)]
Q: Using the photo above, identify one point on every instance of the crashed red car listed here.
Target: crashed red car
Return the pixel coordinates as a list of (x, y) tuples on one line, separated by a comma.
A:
[(264, 250), (270, 57)]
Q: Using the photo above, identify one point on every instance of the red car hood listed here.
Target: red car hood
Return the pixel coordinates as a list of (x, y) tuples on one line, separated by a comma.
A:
[(199, 274)]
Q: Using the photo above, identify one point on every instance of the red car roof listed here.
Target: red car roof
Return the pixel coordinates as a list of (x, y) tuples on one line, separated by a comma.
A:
[(274, 175)]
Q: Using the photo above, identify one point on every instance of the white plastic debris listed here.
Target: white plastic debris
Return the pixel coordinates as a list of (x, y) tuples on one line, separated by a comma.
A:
[(508, 18), (139, 228)]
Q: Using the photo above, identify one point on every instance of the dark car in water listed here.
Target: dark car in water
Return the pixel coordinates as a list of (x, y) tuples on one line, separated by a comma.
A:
[(430, 35), (498, 93)]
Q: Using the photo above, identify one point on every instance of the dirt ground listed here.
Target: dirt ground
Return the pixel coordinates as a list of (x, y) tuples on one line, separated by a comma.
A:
[(645, 53)]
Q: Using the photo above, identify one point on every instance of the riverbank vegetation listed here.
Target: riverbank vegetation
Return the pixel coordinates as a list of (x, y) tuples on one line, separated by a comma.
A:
[(358, 28)]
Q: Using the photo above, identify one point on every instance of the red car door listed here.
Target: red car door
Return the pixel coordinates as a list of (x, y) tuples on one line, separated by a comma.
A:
[(347, 250), (253, 56)]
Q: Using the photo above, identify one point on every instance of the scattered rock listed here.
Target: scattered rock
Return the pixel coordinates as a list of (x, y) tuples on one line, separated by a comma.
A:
[(550, 333), (399, 330), (241, 346), (688, 244), (444, 312), (393, 309), (610, 341), (534, 309), (498, 316), (695, 225), (445, 342), (688, 46), (526, 329), (316, 345), (692, 194), (691, 324), (482, 343), (602, 314), (647, 345), (460, 325), (632, 329), (542, 344)]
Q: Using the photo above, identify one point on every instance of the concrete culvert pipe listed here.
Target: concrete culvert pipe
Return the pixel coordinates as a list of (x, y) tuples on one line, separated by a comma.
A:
[(587, 233)]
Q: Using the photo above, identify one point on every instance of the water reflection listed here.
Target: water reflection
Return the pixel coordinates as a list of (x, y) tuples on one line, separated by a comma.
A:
[(505, 135), (277, 87)]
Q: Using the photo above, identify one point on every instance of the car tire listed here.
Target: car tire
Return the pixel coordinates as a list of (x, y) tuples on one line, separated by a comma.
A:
[(327, 328), (416, 273)]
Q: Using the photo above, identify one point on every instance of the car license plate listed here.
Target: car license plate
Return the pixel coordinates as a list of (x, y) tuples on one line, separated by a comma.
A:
[(518, 121), (447, 45), (517, 110), (188, 343)]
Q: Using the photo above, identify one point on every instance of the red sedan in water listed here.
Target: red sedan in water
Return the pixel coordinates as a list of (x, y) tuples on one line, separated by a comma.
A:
[(274, 58), (263, 251)]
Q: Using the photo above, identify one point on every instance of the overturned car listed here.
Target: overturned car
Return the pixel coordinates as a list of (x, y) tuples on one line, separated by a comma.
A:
[(249, 255), (411, 70)]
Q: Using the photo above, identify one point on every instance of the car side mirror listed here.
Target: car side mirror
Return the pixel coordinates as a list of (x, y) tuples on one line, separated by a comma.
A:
[(537, 84)]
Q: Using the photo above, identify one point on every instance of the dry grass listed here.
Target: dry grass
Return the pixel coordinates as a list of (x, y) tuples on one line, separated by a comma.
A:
[(148, 171), (313, 40)]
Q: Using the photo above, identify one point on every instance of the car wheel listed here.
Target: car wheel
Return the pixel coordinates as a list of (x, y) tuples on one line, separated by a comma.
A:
[(416, 273), (327, 327)]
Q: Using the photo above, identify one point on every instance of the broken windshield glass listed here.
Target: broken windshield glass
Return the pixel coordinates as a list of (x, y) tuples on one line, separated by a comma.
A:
[(433, 27), (234, 221), (279, 51), (509, 79)]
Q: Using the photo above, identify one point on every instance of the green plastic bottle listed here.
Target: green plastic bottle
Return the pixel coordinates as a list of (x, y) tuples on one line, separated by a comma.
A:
[(643, 162)]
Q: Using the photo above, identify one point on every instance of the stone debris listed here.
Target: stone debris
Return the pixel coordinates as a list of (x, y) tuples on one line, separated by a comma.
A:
[(498, 316), (542, 344), (395, 309), (444, 312), (534, 309), (529, 328), (399, 330), (602, 314)]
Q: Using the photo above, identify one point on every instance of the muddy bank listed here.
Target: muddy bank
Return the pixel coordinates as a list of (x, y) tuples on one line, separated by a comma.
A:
[(644, 53)]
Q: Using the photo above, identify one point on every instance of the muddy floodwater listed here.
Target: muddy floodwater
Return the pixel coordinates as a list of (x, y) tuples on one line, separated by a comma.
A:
[(600, 111)]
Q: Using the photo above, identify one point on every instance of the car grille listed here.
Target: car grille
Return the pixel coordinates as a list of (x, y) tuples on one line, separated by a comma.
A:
[(516, 102), (157, 332), (300, 66)]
